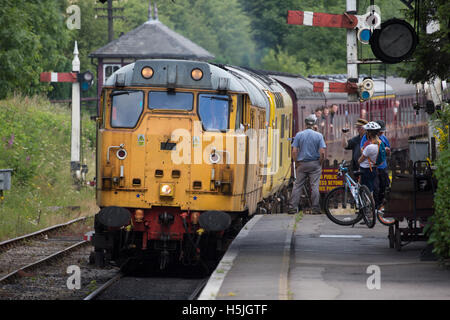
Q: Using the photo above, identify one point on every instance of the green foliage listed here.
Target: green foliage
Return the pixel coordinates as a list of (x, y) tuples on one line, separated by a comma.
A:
[(35, 143), (221, 27), (280, 60), (440, 228), (33, 39), (432, 55)]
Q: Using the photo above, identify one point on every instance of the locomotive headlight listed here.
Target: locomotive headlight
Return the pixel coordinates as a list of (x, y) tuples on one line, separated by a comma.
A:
[(196, 74), (166, 189), (147, 72)]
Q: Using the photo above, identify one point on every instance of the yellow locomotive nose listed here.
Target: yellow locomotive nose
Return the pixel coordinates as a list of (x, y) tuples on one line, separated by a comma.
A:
[(166, 189)]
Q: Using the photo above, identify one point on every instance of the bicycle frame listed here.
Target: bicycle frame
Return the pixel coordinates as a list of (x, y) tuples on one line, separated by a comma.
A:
[(353, 185)]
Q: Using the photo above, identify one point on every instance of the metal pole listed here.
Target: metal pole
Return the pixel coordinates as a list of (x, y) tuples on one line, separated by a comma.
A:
[(75, 139), (352, 51), (110, 22)]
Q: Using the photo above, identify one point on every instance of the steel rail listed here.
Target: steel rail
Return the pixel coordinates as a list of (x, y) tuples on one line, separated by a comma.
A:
[(34, 265), (5, 244), (104, 286), (194, 295)]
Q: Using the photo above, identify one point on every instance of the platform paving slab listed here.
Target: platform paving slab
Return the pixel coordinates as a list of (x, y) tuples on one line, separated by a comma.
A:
[(256, 265)]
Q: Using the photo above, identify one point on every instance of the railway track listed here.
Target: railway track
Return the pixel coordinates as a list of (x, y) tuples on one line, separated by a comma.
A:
[(122, 287), (24, 254), (5, 245)]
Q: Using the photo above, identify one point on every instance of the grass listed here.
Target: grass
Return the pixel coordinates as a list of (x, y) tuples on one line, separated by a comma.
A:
[(35, 143), (298, 217)]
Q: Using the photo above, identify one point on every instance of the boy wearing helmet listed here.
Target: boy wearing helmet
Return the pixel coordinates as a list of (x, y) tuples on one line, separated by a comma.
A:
[(382, 181), (308, 152)]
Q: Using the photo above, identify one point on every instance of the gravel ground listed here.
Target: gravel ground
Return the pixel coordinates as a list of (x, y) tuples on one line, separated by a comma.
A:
[(29, 251), (49, 282)]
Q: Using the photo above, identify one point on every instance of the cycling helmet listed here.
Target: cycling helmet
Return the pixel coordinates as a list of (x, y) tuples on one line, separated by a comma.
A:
[(372, 126), (311, 119)]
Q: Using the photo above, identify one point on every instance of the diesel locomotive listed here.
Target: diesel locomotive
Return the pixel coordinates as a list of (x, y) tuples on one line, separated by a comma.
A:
[(186, 152)]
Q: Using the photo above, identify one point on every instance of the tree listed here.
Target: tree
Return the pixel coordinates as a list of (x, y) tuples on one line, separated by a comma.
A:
[(33, 39), (432, 55)]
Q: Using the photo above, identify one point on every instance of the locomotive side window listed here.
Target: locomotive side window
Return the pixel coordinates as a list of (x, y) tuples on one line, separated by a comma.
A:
[(239, 113), (126, 108), (213, 110), (163, 100)]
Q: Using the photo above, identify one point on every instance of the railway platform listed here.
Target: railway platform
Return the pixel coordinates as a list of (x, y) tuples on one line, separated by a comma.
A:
[(276, 257)]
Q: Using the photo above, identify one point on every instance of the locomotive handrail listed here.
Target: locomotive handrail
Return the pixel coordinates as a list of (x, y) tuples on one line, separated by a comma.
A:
[(121, 146)]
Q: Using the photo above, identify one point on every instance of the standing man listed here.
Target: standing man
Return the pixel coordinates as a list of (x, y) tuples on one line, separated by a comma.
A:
[(354, 143), (308, 152)]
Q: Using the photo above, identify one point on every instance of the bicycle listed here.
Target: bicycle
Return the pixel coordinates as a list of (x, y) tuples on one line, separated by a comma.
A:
[(347, 205)]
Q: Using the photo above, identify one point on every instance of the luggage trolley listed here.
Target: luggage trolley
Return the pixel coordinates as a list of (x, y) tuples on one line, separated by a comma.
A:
[(410, 198)]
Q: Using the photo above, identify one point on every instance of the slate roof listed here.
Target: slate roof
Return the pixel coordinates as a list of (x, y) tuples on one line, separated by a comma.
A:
[(152, 39)]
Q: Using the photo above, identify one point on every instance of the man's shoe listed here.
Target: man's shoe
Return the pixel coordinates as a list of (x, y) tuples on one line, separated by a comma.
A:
[(292, 210)]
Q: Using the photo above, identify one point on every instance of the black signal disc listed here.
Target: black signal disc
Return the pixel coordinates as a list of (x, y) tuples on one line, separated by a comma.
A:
[(394, 41)]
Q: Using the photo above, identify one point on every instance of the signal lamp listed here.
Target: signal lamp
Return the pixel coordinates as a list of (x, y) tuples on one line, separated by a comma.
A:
[(366, 89), (86, 79), (147, 72), (196, 74), (364, 36)]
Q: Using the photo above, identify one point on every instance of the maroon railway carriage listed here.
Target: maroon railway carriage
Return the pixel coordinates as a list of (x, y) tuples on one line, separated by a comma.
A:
[(392, 102)]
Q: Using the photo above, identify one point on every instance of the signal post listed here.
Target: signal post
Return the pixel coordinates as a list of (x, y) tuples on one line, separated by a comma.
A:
[(79, 80)]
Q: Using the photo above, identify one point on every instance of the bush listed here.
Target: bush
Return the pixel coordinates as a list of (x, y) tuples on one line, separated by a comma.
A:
[(440, 227)]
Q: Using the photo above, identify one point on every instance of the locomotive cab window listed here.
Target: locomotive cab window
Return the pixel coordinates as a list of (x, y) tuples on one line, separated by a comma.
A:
[(164, 100), (213, 110), (126, 108)]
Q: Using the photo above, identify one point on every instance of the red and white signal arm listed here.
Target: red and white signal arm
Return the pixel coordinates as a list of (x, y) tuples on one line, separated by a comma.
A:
[(326, 86), (319, 19), (58, 77)]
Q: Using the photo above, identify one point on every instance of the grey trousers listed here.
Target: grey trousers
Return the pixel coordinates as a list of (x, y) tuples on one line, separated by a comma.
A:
[(313, 169)]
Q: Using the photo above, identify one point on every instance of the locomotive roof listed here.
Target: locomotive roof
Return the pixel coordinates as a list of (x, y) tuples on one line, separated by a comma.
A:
[(152, 39), (177, 74)]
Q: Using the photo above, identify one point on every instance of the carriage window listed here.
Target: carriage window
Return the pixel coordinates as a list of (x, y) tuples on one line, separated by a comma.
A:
[(213, 111), (164, 100), (126, 108)]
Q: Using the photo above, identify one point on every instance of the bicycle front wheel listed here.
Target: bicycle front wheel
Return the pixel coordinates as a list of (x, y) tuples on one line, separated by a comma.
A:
[(367, 206), (340, 207)]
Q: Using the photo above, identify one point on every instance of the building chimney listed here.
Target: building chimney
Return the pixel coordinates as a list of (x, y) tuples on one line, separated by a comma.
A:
[(150, 11)]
